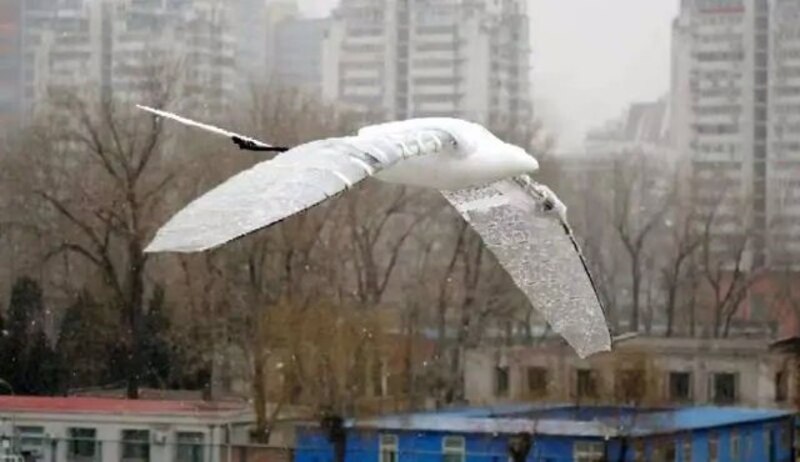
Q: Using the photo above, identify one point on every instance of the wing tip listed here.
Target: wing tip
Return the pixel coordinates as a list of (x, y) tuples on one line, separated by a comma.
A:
[(587, 353), (165, 245)]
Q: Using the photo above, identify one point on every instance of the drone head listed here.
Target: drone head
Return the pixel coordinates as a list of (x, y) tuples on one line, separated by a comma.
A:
[(550, 203)]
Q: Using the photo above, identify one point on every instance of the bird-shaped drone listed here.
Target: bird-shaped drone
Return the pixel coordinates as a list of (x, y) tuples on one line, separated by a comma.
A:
[(487, 180)]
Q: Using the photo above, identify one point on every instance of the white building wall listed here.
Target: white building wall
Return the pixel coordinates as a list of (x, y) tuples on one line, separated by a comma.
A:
[(421, 58), (163, 432), (783, 166), (125, 47), (758, 95)]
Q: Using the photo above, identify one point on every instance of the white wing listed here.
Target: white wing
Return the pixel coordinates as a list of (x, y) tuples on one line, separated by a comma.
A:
[(538, 251), (291, 182)]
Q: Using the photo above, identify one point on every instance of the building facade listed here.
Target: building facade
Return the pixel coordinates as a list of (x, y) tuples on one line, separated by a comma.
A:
[(10, 75), (643, 371), (783, 153), (298, 53), (103, 429), (559, 434), (396, 59), (735, 95), (252, 38), (129, 49)]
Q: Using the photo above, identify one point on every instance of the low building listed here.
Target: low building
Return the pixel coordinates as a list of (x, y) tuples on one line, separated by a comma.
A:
[(559, 434), (640, 370), (83, 429)]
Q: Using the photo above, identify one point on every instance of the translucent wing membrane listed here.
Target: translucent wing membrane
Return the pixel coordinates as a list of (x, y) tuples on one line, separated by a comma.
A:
[(291, 182), (538, 251)]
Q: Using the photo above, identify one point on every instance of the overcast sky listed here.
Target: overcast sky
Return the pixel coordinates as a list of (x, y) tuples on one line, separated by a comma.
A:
[(591, 58)]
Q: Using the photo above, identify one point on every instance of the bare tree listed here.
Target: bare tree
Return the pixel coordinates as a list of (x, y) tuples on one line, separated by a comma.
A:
[(639, 208), (100, 184), (379, 220), (683, 242), (724, 266)]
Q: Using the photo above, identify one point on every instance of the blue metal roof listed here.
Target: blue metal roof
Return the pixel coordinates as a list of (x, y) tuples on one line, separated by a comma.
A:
[(692, 418), (546, 420)]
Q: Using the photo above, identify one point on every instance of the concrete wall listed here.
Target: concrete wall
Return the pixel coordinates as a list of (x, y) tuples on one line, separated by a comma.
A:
[(750, 359)]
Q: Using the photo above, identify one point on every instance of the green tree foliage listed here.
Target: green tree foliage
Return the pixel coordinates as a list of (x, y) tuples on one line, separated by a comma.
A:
[(86, 343), (27, 361), (161, 365)]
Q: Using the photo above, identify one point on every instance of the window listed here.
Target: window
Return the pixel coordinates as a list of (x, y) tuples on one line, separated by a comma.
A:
[(630, 385), (588, 452), (680, 386), (189, 447), (735, 446), (724, 388), (797, 442), (537, 380), (135, 445), (453, 449), (748, 449), (786, 437), (769, 442), (670, 452), (780, 386), (586, 383), (31, 439), (388, 448), (664, 451), (639, 453), (713, 448), (82, 443), (501, 381)]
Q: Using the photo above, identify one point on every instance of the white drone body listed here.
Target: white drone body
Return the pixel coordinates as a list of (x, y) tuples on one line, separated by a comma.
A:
[(485, 179)]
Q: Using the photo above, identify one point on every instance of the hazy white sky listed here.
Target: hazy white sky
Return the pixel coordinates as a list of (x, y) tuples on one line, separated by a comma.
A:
[(591, 58)]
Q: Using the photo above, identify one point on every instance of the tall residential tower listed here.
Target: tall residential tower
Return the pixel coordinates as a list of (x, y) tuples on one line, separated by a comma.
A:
[(736, 113), (409, 58), (126, 48)]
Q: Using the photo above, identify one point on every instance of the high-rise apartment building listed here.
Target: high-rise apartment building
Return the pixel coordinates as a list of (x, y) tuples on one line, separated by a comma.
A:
[(10, 76), (129, 47), (251, 35), (298, 53), (783, 153), (736, 113), (401, 58)]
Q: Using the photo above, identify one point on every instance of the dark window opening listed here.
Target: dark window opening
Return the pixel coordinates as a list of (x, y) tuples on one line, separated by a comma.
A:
[(724, 388), (680, 386), (630, 385), (586, 383), (537, 380), (501, 381), (780, 386)]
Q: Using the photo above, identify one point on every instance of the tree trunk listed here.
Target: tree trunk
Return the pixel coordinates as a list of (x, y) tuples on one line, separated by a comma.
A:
[(671, 295), (134, 313), (648, 320), (260, 433), (634, 324), (717, 317)]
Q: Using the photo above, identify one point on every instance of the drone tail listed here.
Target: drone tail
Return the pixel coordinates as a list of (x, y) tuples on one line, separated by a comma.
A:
[(244, 142)]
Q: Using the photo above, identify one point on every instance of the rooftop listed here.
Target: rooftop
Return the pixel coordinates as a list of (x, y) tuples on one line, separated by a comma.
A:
[(114, 406), (571, 420)]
